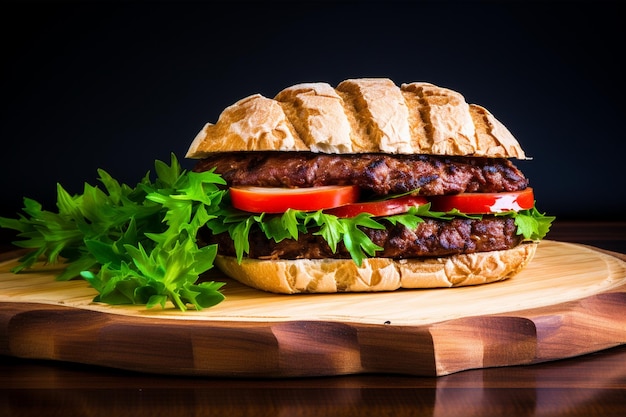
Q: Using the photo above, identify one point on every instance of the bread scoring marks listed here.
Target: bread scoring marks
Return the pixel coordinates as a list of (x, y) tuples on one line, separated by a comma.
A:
[(492, 137), (252, 123), (448, 128), (381, 114), (359, 115), (317, 114)]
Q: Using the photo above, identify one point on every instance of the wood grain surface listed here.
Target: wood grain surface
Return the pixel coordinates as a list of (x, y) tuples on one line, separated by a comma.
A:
[(571, 300)]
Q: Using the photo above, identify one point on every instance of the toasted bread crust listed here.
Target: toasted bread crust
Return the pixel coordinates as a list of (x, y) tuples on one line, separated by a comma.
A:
[(359, 115)]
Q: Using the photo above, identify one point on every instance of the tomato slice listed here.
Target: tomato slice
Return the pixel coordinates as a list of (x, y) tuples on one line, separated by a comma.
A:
[(342, 201), (484, 203), (378, 208), (278, 200)]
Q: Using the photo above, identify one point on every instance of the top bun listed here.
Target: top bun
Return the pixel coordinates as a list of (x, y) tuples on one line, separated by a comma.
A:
[(359, 115)]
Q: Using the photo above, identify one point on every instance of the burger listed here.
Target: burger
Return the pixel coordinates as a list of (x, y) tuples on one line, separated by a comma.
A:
[(367, 186)]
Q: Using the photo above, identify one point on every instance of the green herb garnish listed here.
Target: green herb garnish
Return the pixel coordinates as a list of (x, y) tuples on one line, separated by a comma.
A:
[(133, 245)]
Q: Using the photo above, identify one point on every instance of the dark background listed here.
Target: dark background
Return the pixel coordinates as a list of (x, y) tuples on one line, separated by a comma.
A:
[(118, 84)]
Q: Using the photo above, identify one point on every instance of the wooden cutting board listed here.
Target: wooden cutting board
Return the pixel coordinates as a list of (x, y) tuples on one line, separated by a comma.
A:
[(571, 300)]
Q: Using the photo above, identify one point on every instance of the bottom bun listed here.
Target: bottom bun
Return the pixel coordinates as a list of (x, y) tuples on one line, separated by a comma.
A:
[(377, 274)]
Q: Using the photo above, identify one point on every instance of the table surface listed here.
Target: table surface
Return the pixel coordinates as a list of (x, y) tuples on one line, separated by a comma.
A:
[(589, 385)]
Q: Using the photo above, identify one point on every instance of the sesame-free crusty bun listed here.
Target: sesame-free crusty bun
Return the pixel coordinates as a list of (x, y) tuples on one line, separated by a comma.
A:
[(377, 274), (359, 116)]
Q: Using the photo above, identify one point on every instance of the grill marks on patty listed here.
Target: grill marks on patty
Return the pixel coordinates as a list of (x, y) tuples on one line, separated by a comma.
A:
[(377, 174), (432, 238)]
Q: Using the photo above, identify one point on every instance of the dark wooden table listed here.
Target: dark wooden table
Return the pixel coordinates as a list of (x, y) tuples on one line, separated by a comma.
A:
[(590, 385)]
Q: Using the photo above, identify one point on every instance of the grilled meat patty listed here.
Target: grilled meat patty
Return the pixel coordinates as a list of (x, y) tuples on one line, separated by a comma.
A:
[(377, 174), (432, 238)]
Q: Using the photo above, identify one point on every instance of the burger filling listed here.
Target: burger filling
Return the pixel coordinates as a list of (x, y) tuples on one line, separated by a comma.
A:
[(396, 215)]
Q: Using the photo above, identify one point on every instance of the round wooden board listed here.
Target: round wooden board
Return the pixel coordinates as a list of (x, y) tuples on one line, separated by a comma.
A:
[(570, 300)]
